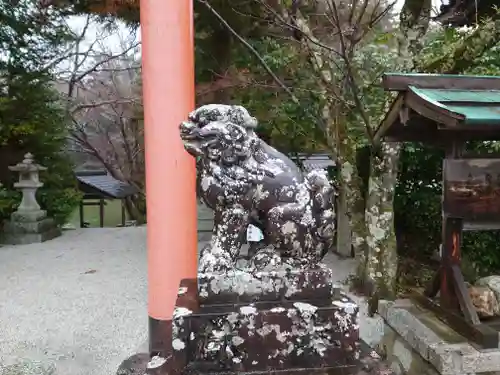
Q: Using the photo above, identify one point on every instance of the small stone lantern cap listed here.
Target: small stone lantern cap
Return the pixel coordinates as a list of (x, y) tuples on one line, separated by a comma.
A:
[(27, 165), (28, 173)]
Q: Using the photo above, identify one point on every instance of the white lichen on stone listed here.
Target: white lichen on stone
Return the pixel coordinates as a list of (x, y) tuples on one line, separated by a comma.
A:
[(348, 307), (305, 309), (178, 344), (237, 340), (218, 335), (278, 309), (248, 310), (156, 362), (180, 312)]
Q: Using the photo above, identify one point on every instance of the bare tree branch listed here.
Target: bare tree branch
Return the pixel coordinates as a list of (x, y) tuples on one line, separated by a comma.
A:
[(103, 100), (104, 61), (300, 30), (111, 102), (251, 49), (346, 56)]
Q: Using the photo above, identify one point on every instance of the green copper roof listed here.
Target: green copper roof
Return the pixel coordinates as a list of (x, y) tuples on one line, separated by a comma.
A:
[(481, 107), (437, 107)]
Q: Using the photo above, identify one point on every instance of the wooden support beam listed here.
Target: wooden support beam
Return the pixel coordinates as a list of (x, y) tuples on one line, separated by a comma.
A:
[(463, 296), (98, 203), (481, 334)]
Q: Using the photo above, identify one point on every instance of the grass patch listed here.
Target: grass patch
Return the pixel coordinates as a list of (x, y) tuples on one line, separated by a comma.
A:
[(112, 214)]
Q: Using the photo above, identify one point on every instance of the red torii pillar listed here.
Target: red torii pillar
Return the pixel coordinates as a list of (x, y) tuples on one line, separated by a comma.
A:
[(168, 91)]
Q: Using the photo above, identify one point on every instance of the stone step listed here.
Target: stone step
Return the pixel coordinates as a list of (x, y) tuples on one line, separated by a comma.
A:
[(283, 284), (369, 363)]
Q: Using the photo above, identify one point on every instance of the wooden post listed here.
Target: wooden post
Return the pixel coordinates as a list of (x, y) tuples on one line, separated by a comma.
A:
[(451, 241), (124, 215), (101, 213), (82, 215), (168, 92), (452, 238)]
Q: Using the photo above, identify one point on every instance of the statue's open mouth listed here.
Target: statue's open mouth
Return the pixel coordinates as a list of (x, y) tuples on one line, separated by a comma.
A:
[(196, 139), (190, 136)]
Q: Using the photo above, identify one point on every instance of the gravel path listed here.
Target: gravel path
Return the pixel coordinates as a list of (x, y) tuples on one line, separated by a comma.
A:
[(76, 305)]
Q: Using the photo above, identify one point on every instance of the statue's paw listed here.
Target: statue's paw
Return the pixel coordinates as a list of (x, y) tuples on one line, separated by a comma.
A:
[(214, 263), (266, 259), (301, 262)]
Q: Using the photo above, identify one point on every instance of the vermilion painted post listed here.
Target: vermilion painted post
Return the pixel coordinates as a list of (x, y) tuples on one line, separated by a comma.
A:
[(168, 92)]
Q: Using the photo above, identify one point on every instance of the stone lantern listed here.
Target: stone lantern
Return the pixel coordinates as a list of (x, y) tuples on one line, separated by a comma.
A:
[(28, 183), (29, 223)]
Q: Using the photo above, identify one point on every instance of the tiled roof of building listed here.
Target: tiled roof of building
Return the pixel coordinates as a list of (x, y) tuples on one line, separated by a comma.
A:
[(315, 161), (102, 184)]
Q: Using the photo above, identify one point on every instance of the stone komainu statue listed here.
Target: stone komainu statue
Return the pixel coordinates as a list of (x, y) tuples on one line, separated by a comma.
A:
[(246, 181)]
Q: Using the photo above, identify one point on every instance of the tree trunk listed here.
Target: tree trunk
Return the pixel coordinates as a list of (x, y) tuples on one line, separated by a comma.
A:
[(135, 212), (381, 250), (353, 188), (350, 184), (344, 233), (378, 268)]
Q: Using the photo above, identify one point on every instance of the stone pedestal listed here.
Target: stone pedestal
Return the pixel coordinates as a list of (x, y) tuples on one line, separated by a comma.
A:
[(436, 342), (29, 224), (285, 321), (279, 321), (27, 227)]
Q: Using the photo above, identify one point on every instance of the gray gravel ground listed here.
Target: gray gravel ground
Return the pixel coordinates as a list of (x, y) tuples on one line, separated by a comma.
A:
[(77, 305)]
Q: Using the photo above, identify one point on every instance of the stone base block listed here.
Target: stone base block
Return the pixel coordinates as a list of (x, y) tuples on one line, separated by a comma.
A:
[(29, 227), (283, 284), (28, 216), (434, 341), (370, 363), (265, 336), (26, 232)]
